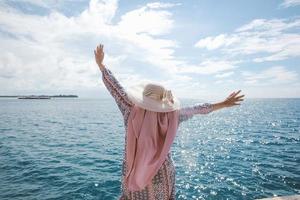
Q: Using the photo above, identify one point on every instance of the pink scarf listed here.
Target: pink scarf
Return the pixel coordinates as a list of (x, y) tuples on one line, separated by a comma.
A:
[(149, 139)]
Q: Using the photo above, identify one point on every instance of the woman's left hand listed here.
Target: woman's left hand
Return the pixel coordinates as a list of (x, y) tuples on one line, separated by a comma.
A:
[(233, 99), (99, 56)]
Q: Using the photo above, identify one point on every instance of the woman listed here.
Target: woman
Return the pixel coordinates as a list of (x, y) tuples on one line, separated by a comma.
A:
[(151, 118)]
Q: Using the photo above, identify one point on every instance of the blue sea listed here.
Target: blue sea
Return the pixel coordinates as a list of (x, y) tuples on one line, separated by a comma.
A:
[(73, 148)]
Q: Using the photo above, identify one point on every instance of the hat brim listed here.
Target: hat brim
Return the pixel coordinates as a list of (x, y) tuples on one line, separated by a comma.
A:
[(135, 94)]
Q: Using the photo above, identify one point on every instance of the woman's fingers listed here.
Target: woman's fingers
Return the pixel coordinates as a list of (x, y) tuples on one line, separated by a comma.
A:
[(239, 97), (96, 55), (230, 95), (237, 93), (100, 47), (234, 93)]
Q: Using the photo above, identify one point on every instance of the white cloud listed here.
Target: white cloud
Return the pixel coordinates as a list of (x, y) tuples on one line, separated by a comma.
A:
[(290, 3), (216, 42), (269, 27), (162, 5), (271, 76), (230, 81), (224, 75), (139, 30), (145, 20), (210, 67), (276, 37)]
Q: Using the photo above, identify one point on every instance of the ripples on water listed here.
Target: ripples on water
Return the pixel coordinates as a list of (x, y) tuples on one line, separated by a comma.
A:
[(72, 149)]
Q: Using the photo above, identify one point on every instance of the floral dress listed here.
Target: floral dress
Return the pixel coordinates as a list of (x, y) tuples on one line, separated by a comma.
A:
[(162, 186)]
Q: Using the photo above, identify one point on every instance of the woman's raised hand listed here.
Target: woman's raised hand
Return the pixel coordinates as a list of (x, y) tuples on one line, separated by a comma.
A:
[(233, 99), (99, 56)]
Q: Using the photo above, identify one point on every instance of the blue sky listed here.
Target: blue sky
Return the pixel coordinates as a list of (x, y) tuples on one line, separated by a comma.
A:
[(199, 49)]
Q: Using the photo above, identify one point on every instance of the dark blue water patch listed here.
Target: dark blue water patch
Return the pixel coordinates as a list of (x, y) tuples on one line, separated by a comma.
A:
[(5, 129), (52, 122)]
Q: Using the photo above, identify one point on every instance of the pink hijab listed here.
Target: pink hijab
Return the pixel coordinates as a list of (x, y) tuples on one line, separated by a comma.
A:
[(149, 138)]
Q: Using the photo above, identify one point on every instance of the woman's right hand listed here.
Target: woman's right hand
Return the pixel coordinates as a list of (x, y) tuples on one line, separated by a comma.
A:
[(232, 99), (99, 56)]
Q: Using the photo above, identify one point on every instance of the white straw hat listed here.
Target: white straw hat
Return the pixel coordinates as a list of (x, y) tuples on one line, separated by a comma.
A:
[(165, 103)]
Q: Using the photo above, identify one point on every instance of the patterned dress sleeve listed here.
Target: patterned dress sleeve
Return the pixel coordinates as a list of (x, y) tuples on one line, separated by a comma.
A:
[(117, 91), (188, 112)]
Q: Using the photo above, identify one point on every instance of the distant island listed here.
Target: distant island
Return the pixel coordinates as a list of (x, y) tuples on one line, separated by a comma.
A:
[(39, 96)]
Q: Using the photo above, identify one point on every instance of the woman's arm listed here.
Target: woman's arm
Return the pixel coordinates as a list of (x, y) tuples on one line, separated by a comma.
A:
[(112, 84), (188, 112)]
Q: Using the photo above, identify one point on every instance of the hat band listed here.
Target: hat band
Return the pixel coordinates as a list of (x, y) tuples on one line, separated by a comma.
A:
[(153, 96)]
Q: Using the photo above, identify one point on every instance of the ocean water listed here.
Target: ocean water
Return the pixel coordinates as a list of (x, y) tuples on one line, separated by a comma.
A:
[(72, 149)]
